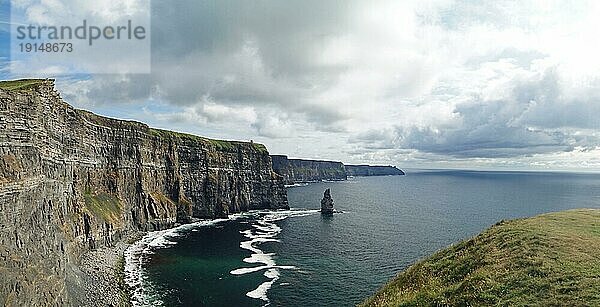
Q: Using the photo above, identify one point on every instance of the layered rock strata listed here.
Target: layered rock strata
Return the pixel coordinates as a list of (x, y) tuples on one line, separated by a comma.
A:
[(72, 181), (302, 170)]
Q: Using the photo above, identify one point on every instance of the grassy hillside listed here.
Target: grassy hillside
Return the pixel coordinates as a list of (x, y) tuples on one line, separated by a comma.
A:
[(548, 260)]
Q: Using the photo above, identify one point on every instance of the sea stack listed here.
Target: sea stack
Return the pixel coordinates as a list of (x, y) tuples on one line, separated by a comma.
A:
[(327, 203)]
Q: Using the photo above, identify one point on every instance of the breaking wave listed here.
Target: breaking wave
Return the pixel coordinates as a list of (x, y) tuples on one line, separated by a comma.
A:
[(144, 293), (265, 231)]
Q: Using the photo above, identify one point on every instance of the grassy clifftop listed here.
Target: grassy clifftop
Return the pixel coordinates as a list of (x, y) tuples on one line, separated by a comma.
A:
[(22, 84), (221, 145), (548, 260)]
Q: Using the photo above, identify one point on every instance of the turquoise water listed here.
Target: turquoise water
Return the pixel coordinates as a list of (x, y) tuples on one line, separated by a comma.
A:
[(300, 258)]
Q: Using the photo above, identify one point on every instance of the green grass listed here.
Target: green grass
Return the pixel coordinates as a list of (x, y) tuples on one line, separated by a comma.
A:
[(548, 260), (163, 199), (220, 145), (22, 84), (104, 206), (260, 148)]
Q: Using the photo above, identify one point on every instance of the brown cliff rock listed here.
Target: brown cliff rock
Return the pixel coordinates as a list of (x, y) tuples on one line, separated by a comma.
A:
[(71, 181)]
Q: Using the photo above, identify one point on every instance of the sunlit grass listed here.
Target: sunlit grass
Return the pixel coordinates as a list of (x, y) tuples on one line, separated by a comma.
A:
[(104, 206), (220, 145), (22, 84), (549, 260)]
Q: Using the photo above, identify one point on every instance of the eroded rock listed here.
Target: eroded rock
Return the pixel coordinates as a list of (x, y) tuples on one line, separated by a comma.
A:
[(327, 203)]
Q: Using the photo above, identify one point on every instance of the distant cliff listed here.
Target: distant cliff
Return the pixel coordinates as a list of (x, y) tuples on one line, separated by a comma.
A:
[(301, 170), (71, 181), (370, 170)]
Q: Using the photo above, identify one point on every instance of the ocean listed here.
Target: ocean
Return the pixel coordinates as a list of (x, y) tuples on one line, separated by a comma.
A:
[(299, 258)]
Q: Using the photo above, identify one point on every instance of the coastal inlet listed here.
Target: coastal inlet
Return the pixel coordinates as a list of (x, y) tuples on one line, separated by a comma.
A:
[(166, 268), (312, 259)]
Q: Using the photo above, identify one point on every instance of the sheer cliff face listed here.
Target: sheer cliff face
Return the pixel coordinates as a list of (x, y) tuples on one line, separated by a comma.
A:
[(299, 170), (71, 180), (369, 170)]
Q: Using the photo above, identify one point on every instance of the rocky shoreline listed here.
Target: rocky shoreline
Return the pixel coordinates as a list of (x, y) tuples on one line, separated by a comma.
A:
[(102, 275)]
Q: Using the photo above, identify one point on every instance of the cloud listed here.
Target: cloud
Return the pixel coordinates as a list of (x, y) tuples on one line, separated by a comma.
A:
[(441, 81), (92, 54), (232, 53), (108, 89), (522, 115)]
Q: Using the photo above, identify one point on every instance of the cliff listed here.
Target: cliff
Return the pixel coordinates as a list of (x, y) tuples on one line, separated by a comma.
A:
[(71, 181), (301, 170), (548, 260), (370, 170)]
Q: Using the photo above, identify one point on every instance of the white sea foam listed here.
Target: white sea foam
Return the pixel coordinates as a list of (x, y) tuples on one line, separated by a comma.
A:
[(294, 185), (144, 293), (261, 291), (265, 230)]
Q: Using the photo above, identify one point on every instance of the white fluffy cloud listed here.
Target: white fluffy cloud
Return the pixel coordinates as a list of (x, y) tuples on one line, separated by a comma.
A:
[(91, 54), (411, 82)]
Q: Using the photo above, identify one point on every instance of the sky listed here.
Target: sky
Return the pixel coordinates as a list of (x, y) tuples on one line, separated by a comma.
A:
[(417, 84)]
